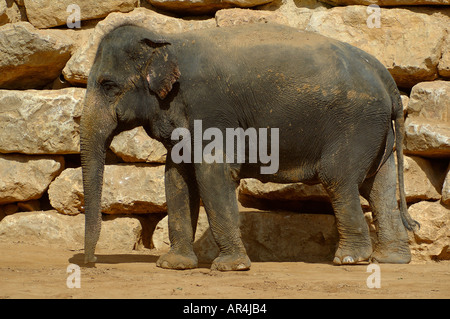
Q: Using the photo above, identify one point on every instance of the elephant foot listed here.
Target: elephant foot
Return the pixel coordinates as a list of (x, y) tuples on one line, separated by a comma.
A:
[(392, 246), (89, 259), (352, 256), (392, 255), (177, 261), (231, 262)]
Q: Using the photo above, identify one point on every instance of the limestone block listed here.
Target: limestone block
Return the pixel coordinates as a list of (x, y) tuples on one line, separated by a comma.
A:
[(31, 58), (127, 189), (40, 121), (49, 13), (25, 177)]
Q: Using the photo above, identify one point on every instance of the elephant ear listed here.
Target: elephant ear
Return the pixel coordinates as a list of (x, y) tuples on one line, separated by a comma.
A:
[(162, 69)]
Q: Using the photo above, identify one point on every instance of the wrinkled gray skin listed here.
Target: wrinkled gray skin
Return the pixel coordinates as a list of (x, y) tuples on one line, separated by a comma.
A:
[(334, 104)]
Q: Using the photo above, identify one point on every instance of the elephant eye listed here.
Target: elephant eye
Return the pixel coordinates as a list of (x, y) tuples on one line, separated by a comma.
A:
[(109, 87)]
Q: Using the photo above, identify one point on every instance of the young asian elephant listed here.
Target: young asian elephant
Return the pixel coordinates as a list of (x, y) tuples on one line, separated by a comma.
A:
[(335, 109)]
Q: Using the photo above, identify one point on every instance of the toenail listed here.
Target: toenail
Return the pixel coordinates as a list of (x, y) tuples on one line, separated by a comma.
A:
[(348, 260)]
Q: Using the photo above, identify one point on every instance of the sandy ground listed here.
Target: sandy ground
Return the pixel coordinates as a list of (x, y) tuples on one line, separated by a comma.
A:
[(28, 271)]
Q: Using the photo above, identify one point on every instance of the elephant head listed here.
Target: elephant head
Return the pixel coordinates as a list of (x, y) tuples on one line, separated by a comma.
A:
[(133, 71)]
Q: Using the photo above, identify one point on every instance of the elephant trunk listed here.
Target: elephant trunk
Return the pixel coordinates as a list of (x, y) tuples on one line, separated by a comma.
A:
[(96, 132)]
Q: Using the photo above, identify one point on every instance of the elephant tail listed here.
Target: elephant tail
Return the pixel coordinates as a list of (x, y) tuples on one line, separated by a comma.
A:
[(398, 118)]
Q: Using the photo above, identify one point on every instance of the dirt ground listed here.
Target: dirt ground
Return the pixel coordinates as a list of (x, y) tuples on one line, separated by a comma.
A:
[(28, 271)]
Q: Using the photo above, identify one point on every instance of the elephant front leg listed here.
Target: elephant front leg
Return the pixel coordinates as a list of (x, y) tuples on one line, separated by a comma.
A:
[(183, 203), (217, 191)]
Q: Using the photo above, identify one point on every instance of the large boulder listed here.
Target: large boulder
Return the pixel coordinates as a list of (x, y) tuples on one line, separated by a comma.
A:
[(427, 126), (298, 12), (297, 197), (77, 69), (276, 191), (204, 6), (127, 189), (25, 177), (430, 138), (432, 241), (49, 13), (40, 121), (52, 228), (230, 17), (430, 100), (9, 12), (267, 236), (31, 58), (423, 180), (136, 146)]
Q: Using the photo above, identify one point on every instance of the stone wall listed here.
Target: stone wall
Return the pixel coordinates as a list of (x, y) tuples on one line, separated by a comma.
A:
[(44, 66)]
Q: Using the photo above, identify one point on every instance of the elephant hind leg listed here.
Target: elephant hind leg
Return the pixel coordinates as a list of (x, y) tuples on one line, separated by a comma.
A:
[(380, 191), (354, 240), (341, 174)]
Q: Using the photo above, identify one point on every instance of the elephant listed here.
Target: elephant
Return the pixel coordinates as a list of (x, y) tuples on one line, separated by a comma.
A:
[(332, 112)]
